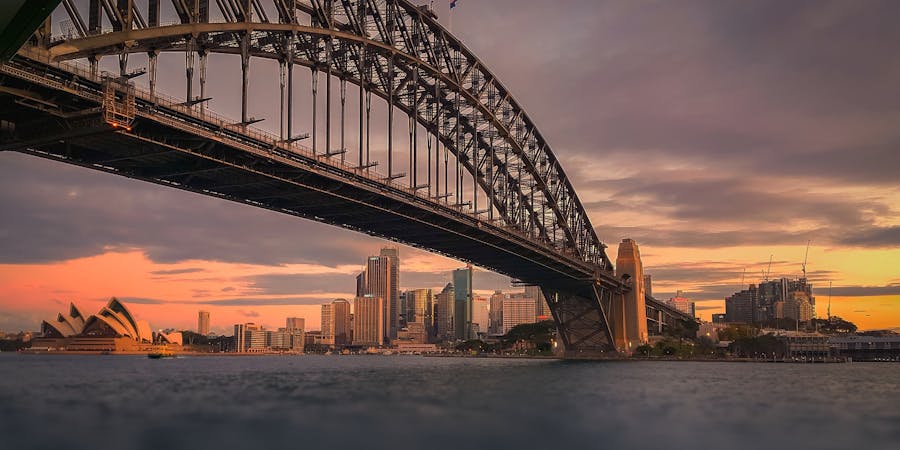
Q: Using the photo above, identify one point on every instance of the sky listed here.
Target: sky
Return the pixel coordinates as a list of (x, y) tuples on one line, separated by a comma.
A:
[(717, 134)]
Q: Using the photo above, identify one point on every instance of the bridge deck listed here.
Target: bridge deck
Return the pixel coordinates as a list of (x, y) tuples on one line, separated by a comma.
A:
[(180, 147)]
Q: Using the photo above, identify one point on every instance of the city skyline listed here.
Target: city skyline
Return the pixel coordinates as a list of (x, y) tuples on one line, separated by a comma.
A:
[(699, 221)]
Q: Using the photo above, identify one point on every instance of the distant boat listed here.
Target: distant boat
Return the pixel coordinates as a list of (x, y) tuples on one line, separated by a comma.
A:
[(160, 355)]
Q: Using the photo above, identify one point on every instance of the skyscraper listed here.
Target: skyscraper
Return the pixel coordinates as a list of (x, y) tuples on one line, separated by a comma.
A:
[(628, 263), (361, 284), (376, 282), (443, 318), (328, 324), (541, 308), (495, 325), (419, 305), (249, 337), (203, 323), (739, 307), (462, 303), (682, 304), (392, 301), (480, 315), (368, 320), (517, 311), (295, 323), (402, 311), (648, 285), (340, 317)]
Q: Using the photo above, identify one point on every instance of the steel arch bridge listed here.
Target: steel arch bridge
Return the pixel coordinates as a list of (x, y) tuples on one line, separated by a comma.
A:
[(483, 187)]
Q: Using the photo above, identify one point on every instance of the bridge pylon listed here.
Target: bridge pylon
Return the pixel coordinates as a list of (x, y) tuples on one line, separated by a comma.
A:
[(583, 321)]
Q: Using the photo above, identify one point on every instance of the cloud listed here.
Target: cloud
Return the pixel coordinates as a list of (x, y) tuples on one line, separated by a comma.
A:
[(259, 301), (293, 284), (248, 313), (861, 291), (702, 307), (410, 278), (693, 124), (43, 223), (143, 301), (872, 237), (177, 271)]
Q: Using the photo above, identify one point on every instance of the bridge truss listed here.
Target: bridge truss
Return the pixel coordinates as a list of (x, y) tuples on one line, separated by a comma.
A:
[(484, 186)]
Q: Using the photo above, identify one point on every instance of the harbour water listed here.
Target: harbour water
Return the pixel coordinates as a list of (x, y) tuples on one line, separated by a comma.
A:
[(412, 402)]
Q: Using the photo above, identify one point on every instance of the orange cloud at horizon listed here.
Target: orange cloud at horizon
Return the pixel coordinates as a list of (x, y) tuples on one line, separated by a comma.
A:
[(170, 295)]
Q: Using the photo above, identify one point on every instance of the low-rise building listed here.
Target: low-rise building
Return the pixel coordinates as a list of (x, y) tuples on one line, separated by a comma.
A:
[(710, 330), (802, 345), (866, 348)]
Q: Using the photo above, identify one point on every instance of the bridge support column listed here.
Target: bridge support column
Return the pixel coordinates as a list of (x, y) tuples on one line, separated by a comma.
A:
[(630, 268), (245, 77), (152, 62), (202, 105), (581, 321)]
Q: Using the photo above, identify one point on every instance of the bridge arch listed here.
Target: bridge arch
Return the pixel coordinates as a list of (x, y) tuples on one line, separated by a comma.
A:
[(449, 92), (543, 237)]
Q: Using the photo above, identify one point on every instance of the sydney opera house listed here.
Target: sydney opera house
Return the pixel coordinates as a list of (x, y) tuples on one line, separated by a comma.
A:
[(113, 329)]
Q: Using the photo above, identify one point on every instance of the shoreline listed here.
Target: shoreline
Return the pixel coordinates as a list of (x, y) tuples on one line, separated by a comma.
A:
[(450, 355)]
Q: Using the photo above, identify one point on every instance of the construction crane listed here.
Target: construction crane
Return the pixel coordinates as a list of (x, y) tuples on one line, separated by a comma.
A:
[(829, 301), (769, 269), (805, 258)]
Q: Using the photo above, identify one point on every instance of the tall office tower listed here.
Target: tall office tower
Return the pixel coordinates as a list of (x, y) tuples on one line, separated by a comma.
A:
[(480, 315), (377, 283), (328, 324), (418, 308), (541, 308), (249, 337), (203, 323), (495, 315), (773, 295), (361, 284), (443, 317), (402, 311), (682, 304), (340, 317), (628, 263), (516, 311), (648, 285), (368, 320), (295, 327), (238, 338), (462, 303), (392, 302), (739, 307), (295, 323), (255, 337)]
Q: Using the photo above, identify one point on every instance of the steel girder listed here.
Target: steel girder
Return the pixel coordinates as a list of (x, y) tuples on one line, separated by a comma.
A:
[(172, 145), (401, 53), (580, 313)]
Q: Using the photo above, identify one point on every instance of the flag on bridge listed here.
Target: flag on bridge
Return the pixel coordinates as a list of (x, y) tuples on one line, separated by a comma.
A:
[(452, 4)]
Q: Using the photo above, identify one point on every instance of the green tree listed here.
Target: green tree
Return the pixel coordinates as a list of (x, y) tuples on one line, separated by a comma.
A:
[(643, 350), (735, 332), (834, 325), (540, 334)]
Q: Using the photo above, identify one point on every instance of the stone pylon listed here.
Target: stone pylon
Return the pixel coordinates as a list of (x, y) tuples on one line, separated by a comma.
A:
[(628, 263)]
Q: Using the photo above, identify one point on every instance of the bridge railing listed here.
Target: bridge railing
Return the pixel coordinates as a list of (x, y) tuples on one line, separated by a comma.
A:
[(269, 141)]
